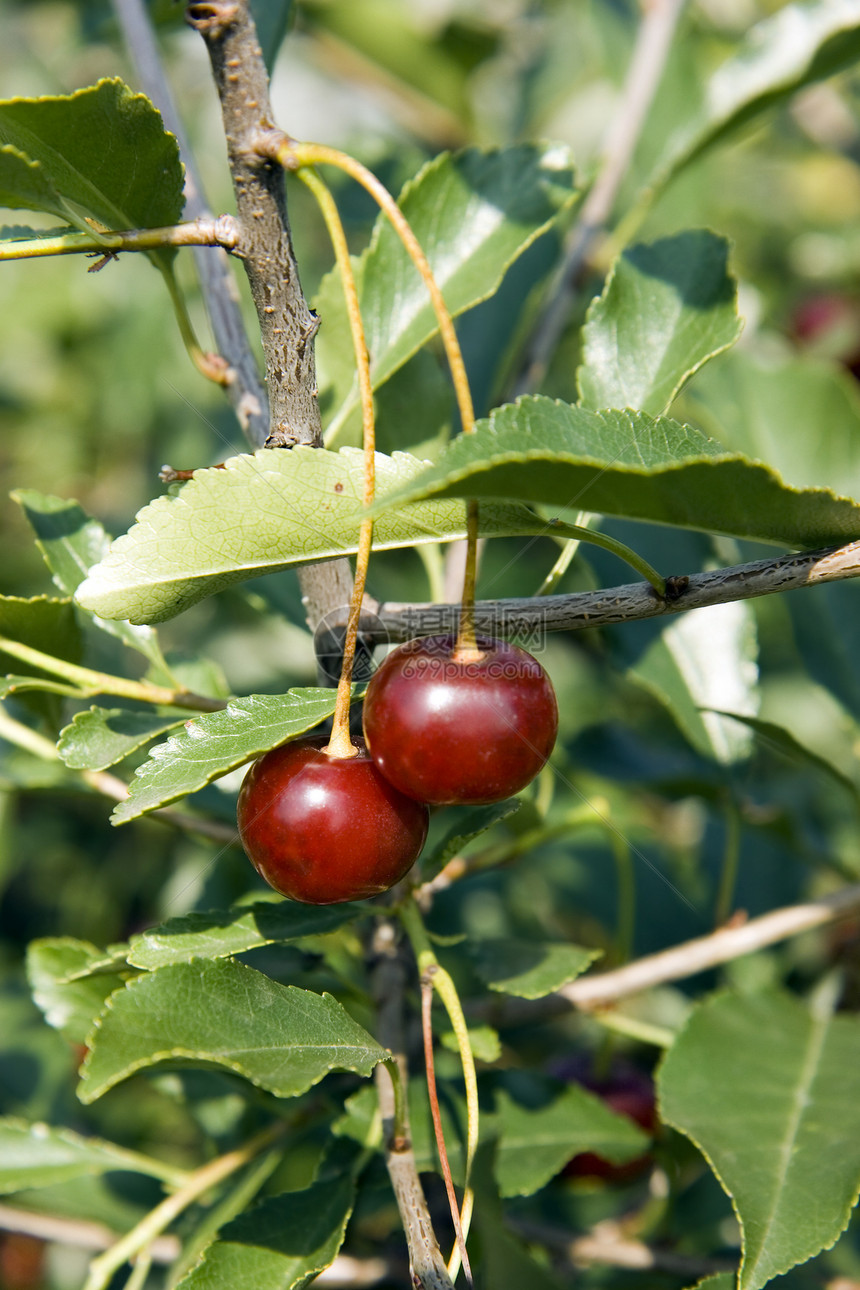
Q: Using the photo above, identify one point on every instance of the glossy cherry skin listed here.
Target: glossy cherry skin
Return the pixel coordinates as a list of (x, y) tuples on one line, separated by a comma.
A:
[(446, 730), (322, 829)]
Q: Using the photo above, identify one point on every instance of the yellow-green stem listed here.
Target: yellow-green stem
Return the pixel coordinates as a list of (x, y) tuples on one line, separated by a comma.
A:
[(340, 744), (103, 683), (447, 991), (146, 239), (293, 155), (155, 1222), (212, 366)]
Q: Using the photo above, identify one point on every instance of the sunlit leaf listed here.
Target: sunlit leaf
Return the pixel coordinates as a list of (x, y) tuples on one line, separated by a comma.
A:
[(665, 310), (101, 737), (220, 933), (768, 1089), (262, 514), (473, 213), (101, 154), (69, 1006), (210, 745), (629, 464), (279, 1037)]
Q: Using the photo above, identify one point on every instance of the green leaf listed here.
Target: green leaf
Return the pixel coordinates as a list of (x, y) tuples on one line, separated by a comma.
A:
[(101, 153), (768, 1090), (279, 1037), (262, 514), (798, 45), (629, 464), (38, 1155), (826, 622), (473, 213), (665, 310), (782, 742), (529, 969), (103, 736), (46, 624), (210, 745), (71, 542), (69, 1006), (220, 933), (703, 662), (535, 1145), (720, 1281), (799, 415), (466, 824), (280, 1244)]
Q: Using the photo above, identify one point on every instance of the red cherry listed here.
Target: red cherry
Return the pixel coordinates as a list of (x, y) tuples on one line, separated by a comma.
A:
[(324, 829), (445, 727)]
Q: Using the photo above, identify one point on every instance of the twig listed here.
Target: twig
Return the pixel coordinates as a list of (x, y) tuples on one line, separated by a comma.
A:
[(709, 951), (199, 232), (629, 602), (425, 1258), (77, 1232), (653, 40)]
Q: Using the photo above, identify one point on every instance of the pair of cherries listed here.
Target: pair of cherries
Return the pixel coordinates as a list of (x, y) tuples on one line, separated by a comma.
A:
[(442, 726)]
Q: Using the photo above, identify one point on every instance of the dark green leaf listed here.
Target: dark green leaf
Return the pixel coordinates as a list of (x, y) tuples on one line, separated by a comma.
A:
[(216, 742), (632, 465), (103, 736), (69, 1006), (101, 153), (466, 824), (220, 933), (38, 1155), (473, 213), (279, 1037), (535, 1145), (281, 1244), (72, 542), (260, 515), (665, 310), (529, 969), (770, 1092), (43, 623)]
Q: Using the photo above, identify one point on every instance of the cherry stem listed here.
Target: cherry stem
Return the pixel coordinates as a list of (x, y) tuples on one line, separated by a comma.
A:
[(293, 155), (212, 366), (340, 744), (431, 970)]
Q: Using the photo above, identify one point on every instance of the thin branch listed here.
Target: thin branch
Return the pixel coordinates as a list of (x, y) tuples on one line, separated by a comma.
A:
[(653, 41), (220, 231), (426, 1263), (630, 602), (608, 1244), (709, 951)]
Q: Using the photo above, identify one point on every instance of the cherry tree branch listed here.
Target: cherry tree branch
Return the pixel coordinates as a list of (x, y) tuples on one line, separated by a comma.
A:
[(631, 601), (653, 41), (704, 952)]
